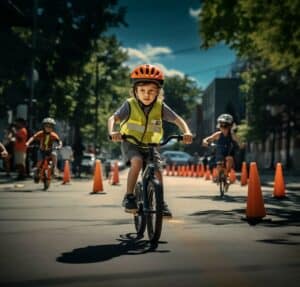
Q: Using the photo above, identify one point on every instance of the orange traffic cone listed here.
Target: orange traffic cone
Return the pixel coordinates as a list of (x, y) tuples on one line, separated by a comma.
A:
[(244, 175), (115, 174), (192, 168), (255, 203), (201, 170), (181, 173), (67, 177), (98, 182), (232, 176), (197, 171), (184, 170), (187, 170), (167, 170), (279, 186), (173, 170), (214, 174), (207, 173)]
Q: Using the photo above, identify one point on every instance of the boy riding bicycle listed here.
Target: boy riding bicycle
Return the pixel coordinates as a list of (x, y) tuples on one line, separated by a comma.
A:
[(141, 116), (226, 143), (46, 137)]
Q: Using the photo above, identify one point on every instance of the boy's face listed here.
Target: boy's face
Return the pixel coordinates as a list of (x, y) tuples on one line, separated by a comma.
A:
[(147, 93), (48, 128), (224, 127)]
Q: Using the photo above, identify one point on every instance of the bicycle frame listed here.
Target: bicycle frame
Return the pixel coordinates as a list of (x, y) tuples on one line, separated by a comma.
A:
[(45, 173), (148, 190), (222, 178)]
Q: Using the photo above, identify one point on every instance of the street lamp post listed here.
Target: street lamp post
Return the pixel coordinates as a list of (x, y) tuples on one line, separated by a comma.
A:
[(33, 73), (96, 101)]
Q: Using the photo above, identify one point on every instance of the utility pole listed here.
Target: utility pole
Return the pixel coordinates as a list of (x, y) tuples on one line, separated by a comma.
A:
[(33, 72), (96, 101)]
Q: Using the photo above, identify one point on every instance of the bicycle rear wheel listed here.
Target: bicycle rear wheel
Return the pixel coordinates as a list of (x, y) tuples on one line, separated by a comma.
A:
[(139, 216), (155, 215)]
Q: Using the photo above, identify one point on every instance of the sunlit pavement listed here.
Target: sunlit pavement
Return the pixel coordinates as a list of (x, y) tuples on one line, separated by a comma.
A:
[(69, 237)]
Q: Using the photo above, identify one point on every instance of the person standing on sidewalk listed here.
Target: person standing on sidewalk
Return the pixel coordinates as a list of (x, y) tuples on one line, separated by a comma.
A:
[(20, 148), (3, 151)]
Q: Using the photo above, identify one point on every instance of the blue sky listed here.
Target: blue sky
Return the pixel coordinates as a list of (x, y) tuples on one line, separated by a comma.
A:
[(165, 32)]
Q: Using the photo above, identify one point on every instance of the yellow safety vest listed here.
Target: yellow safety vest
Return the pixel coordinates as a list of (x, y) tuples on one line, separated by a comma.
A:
[(147, 129)]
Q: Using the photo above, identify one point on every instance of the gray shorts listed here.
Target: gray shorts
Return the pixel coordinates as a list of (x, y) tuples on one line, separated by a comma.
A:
[(41, 154), (130, 150), (20, 157)]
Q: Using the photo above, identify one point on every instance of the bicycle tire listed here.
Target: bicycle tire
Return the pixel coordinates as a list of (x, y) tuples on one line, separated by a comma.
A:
[(139, 216), (221, 183), (155, 216), (46, 179)]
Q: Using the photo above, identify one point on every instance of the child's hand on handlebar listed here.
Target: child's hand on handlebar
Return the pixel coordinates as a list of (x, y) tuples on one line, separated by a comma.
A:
[(187, 138), (116, 137)]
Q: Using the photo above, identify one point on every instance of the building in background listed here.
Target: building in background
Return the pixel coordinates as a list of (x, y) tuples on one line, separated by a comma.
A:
[(221, 96)]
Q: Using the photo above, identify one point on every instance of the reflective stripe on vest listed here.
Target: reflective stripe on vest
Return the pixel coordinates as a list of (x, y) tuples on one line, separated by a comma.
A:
[(147, 129)]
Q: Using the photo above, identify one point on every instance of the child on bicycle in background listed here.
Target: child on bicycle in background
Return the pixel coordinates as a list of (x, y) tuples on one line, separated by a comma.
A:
[(141, 116), (226, 143), (46, 137)]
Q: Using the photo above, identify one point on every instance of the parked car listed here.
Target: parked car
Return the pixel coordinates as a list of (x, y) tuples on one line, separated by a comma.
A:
[(88, 163), (121, 163), (176, 157)]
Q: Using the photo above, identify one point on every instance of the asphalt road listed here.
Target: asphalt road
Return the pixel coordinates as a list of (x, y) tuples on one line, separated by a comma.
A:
[(68, 237)]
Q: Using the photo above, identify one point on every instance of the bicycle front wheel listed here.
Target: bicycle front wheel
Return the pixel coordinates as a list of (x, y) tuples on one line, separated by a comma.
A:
[(155, 214), (222, 183), (46, 178), (139, 216)]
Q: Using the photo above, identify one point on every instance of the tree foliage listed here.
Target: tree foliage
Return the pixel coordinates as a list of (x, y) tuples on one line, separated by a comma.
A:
[(182, 95), (65, 41), (265, 29)]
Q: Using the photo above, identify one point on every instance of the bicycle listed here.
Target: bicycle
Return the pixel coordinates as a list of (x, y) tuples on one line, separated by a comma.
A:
[(221, 178), (45, 170), (149, 195)]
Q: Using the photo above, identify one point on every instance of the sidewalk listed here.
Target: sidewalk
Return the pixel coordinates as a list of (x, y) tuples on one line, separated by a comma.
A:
[(292, 181)]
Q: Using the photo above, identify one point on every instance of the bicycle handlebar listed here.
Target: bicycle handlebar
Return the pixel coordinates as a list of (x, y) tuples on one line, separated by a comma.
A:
[(178, 137), (32, 146)]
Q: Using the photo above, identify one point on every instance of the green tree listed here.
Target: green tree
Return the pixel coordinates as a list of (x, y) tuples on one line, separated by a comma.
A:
[(182, 95), (266, 34), (65, 32), (268, 30)]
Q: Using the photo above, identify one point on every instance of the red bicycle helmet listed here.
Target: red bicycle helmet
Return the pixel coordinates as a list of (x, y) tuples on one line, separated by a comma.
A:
[(147, 73)]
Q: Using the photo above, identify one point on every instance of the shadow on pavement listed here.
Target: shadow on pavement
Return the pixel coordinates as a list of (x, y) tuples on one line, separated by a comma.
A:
[(226, 198), (280, 217), (128, 244), (279, 241)]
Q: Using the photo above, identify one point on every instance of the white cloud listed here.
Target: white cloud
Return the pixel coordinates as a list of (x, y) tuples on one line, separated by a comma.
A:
[(150, 55), (194, 13), (169, 72), (137, 54)]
